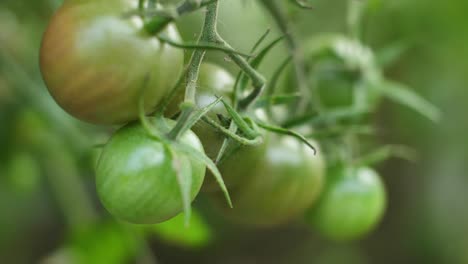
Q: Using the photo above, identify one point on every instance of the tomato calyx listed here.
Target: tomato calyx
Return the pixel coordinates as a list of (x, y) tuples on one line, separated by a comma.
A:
[(170, 138)]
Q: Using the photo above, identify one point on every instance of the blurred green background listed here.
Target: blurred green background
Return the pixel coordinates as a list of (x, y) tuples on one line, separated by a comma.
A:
[(49, 212)]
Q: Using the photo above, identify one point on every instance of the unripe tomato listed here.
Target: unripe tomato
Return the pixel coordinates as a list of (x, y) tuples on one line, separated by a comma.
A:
[(342, 70), (285, 181), (351, 204), (136, 176), (94, 61)]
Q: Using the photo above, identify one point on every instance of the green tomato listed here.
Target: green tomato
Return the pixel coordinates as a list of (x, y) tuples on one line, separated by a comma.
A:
[(342, 70), (352, 203), (95, 62), (137, 175), (280, 185)]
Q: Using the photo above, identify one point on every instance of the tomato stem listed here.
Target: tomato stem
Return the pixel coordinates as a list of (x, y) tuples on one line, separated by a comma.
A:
[(297, 56), (210, 38), (201, 45), (354, 17), (158, 22), (181, 124), (193, 70)]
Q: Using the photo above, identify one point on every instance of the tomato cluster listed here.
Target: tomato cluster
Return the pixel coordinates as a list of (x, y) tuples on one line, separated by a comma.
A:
[(98, 64)]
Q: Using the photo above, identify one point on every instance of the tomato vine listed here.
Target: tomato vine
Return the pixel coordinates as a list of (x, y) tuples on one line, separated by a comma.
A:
[(254, 108)]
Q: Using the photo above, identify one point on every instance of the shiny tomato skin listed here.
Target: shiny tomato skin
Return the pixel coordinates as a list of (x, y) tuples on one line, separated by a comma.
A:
[(136, 178), (94, 61), (285, 179), (351, 205), (342, 71)]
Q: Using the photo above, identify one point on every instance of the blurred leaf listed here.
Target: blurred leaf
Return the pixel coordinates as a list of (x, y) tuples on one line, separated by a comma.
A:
[(385, 152), (23, 172), (374, 5), (404, 95), (388, 55), (31, 130), (198, 234), (106, 242)]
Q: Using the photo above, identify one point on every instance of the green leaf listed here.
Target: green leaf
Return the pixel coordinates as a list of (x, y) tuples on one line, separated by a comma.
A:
[(23, 172), (339, 131), (272, 84), (106, 242), (404, 95), (276, 100), (228, 133), (174, 231), (390, 54), (255, 62), (288, 132), (195, 154), (385, 152), (331, 116), (183, 171), (302, 4), (199, 113), (226, 143), (240, 122), (260, 41)]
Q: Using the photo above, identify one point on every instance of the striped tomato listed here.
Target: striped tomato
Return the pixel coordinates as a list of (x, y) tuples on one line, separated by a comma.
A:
[(284, 181), (94, 61), (137, 176), (352, 204)]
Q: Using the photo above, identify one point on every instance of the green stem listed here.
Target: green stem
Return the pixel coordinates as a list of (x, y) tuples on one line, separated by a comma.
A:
[(178, 129), (287, 132), (209, 29), (296, 53), (244, 141), (141, 5), (386, 152), (208, 35), (201, 45), (354, 17)]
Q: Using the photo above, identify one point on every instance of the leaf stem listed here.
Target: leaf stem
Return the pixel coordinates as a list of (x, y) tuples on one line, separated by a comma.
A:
[(296, 53)]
